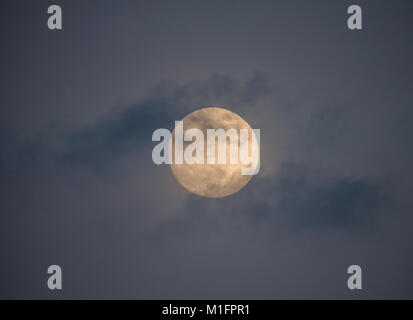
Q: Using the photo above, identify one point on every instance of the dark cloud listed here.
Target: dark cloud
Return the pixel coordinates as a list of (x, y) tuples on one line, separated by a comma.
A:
[(129, 128), (344, 204), (290, 197)]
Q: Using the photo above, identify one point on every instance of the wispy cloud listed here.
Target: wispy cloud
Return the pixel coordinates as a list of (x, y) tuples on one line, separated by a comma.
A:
[(125, 129)]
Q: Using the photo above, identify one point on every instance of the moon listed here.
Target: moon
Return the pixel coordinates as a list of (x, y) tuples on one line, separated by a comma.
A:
[(213, 180)]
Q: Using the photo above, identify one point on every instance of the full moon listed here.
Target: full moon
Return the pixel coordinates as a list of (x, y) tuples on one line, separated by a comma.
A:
[(213, 180)]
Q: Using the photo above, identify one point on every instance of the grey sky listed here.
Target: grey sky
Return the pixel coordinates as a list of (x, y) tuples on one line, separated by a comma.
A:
[(78, 186)]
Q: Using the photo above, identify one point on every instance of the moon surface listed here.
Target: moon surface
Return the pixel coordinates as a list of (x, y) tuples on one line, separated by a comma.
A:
[(213, 180)]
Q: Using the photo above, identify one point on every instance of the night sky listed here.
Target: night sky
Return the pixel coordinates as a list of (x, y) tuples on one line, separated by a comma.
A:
[(78, 187)]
